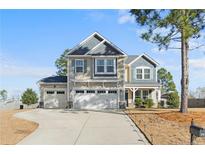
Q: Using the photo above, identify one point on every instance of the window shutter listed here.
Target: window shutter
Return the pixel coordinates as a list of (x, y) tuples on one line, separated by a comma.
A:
[(85, 66), (73, 66)]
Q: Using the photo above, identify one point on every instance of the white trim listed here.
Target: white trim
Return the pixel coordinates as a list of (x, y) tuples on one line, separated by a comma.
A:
[(97, 88), (79, 66), (140, 87), (73, 80), (113, 45), (156, 75), (145, 56), (105, 65), (84, 40)]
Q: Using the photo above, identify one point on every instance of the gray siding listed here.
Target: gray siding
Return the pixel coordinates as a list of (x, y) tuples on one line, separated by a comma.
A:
[(142, 62), (86, 46)]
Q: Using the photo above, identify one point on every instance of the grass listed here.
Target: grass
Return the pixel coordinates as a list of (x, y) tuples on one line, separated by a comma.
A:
[(12, 129), (167, 126)]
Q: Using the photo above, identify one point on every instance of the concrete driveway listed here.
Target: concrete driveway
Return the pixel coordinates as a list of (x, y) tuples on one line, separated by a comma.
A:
[(81, 127)]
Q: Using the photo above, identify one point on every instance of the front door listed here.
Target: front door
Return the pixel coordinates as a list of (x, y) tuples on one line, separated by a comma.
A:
[(126, 97)]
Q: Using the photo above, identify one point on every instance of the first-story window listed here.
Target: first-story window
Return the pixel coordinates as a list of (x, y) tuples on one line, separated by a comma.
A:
[(79, 65), (138, 94), (139, 73), (145, 94)]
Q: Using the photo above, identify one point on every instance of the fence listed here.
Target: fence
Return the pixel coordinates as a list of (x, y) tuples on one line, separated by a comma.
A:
[(196, 103), (15, 104)]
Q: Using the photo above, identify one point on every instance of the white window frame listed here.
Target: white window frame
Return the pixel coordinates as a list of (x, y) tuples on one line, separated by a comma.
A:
[(139, 74), (143, 73), (105, 65), (79, 66), (147, 73)]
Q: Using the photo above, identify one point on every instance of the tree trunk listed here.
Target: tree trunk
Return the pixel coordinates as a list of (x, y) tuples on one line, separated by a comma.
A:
[(185, 73)]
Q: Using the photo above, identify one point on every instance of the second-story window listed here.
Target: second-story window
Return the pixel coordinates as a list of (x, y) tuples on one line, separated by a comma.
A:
[(143, 73), (110, 65), (106, 66), (79, 65), (100, 66), (139, 73), (146, 73)]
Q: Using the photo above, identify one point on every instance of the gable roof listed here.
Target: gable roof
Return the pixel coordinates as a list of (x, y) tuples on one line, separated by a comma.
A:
[(54, 79), (133, 59), (96, 44), (130, 58)]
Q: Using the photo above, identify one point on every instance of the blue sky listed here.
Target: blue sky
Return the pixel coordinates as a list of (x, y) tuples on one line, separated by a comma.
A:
[(31, 40)]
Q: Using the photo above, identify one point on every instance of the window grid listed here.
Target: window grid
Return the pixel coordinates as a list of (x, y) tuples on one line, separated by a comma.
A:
[(105, 66), (79, 65), (143, 73)]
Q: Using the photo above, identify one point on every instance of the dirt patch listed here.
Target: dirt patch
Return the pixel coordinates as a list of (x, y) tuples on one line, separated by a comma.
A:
[(168, 127), (12, 129)]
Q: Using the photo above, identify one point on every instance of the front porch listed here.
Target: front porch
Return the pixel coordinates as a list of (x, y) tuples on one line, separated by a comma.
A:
[(131, 93)]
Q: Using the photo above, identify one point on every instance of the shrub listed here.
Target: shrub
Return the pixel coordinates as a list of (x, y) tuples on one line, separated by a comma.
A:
[(138, 102), (148, 103), (173, 100), (29, 97)]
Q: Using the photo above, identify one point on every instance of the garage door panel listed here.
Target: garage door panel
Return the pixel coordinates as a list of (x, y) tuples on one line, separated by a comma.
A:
[(55, 100), (95, 101)]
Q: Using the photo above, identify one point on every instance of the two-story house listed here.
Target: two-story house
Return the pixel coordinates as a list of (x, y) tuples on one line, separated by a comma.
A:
[(100, 76)]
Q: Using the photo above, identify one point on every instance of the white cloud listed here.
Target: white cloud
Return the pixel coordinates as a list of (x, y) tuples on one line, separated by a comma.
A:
[(197, 63), (125, 17)]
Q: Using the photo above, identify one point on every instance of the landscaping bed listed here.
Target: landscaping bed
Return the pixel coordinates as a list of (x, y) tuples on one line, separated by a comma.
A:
[(167, 126), (12, 129)]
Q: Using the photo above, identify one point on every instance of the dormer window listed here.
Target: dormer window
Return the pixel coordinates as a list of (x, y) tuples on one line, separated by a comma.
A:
[(105, 66), (79, 65)]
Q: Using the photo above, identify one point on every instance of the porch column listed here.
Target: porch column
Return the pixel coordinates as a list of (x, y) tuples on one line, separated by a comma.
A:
[(159, 95), (133, 94)]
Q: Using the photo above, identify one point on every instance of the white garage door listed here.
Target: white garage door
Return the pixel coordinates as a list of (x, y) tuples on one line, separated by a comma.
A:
[(95, 99), (55, 98)]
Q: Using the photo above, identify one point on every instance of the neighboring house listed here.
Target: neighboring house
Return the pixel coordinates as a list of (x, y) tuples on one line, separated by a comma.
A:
[(100, 76)]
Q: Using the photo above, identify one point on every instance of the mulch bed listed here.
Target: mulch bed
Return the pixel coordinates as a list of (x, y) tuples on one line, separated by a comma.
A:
[(167, 127)]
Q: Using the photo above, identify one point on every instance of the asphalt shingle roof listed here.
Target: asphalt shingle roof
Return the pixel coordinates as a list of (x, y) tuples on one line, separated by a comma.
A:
[(130, 58), (96, 45), (54, 79)]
